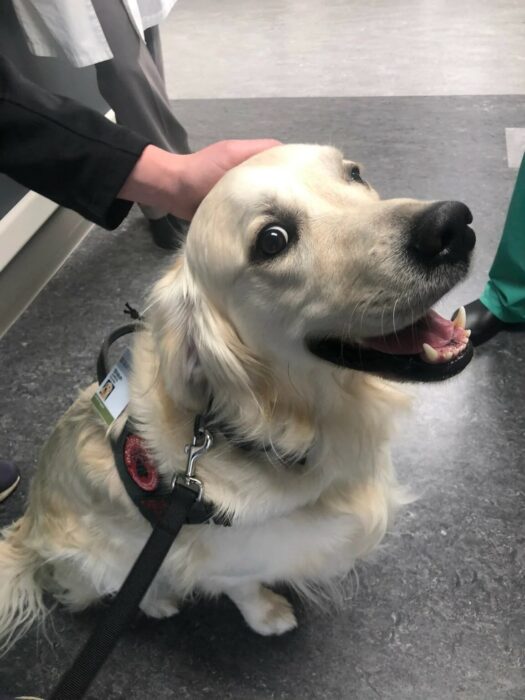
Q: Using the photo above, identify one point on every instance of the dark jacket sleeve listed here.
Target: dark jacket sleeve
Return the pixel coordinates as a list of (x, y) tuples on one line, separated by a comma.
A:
[(63, 150)]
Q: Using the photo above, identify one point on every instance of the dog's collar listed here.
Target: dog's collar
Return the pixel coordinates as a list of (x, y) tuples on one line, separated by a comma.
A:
[(253, 446), (145, 486)]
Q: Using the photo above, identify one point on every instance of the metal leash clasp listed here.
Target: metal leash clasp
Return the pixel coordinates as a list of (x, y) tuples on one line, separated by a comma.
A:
[(201, 443)]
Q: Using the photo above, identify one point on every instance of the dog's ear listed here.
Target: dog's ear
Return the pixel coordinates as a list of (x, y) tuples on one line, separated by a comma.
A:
[(198, 348)]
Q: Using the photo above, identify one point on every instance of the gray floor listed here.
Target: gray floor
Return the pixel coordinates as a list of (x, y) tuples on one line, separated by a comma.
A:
[(439, 611), (305, 48)]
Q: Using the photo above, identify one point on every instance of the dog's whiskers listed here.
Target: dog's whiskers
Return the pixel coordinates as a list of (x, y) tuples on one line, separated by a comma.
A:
[(394, 319)]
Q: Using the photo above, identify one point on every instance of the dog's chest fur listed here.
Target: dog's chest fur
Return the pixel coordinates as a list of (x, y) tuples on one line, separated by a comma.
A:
[(291, 523)]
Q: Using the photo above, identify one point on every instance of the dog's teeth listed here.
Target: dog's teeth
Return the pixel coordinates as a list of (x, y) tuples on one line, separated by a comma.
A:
[(460, 319), (448, 355), (468, 332), (431, 354)]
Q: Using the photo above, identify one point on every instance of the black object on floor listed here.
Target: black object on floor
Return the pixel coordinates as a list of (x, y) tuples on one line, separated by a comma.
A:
[(168, 232), (483, 324)]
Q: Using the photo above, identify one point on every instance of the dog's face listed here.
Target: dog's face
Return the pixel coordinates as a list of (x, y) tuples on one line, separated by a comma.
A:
[(307, 262)]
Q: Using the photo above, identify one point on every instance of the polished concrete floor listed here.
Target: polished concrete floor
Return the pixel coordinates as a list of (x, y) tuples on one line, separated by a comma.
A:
[(304, 48), (439, 613)]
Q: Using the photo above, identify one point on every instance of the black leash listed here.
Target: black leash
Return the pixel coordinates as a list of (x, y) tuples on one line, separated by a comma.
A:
[(186, 491), (76, 681)]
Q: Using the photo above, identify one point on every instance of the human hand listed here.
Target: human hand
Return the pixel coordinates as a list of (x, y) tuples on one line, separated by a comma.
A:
[(204, 168), (178, 183)]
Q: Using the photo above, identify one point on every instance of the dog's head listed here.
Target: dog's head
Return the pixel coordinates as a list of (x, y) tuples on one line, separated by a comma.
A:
[(301, 262)]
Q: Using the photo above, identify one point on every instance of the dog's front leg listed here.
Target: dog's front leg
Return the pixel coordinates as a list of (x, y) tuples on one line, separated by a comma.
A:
[(265, 612)]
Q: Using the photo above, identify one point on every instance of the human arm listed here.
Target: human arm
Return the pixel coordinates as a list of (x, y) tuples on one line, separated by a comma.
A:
[(63, 150), (76, 157)]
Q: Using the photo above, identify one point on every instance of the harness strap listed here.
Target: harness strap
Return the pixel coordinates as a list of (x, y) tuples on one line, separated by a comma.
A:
[(143, 484), (78, 678), (253, 446), (102, 359)]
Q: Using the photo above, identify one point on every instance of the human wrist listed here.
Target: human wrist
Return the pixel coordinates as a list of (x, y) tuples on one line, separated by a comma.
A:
[(155, 179)]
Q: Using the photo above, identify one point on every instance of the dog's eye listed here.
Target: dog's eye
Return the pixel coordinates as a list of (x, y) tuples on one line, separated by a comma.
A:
[(272, 240), (355, 174)]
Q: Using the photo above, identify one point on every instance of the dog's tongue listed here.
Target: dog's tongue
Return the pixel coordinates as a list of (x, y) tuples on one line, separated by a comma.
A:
[(433, 329)]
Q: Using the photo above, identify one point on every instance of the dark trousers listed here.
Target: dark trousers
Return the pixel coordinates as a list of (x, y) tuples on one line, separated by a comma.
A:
[(132, 82)]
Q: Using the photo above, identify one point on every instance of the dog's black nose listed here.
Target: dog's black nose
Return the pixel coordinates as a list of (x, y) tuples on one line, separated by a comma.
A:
[(442, 232)]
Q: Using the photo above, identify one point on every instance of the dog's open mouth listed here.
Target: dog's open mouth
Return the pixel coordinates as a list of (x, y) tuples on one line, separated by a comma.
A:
[(431, 349)]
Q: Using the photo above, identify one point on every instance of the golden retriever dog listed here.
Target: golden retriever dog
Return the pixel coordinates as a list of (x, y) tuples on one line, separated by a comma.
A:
[(297, 292)]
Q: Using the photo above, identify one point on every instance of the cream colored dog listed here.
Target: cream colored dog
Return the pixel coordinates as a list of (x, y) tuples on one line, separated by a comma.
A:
[(291, 255)]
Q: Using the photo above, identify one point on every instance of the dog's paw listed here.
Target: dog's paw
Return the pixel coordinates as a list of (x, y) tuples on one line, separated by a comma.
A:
[(267, 612), (159, 607)]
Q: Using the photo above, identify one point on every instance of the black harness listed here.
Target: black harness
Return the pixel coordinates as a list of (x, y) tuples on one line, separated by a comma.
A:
[(145, 486), (137, 470)]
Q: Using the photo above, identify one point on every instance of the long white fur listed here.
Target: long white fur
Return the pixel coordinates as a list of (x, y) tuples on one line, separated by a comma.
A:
[(219, 324)]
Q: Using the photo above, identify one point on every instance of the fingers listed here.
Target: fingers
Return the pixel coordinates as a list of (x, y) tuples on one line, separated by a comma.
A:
[(229, 153), (242, 150), (203, 169)]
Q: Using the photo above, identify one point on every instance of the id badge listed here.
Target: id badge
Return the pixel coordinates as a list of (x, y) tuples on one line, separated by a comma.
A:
[(112, 396)]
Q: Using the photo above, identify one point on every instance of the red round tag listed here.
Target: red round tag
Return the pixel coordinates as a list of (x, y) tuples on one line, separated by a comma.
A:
[(139, 465)]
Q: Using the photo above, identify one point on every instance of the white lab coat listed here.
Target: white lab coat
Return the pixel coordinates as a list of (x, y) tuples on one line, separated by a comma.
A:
[(71, 27)]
